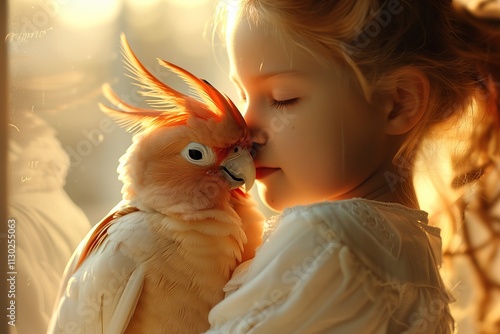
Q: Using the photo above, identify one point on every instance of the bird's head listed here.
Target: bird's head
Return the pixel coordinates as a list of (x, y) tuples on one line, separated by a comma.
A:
[(189, 152)]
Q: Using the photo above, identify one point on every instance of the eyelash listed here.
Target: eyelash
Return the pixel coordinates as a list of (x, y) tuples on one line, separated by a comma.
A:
[(276, 104), (284, 104)]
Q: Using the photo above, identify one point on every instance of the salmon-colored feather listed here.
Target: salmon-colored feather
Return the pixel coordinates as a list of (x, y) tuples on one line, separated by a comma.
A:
[(236, 115), (163, 94), (208, 95), (99, 232), (133, 118), (219, 103), (170, 107)]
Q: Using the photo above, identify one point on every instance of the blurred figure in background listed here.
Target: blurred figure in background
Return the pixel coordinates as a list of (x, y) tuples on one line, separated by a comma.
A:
[(50, 80), (48, 223)]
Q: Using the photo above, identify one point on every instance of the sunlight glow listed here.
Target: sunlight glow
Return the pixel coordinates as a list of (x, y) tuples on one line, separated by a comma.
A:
[(187, 3), (143, 3), (89, 13)]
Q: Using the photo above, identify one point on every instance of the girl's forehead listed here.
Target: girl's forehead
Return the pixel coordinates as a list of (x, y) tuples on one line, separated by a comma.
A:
[(259, 50)]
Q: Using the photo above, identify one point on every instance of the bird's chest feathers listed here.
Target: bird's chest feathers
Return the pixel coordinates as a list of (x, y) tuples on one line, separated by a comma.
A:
[(206, 245), (190, 249), (187, 265)]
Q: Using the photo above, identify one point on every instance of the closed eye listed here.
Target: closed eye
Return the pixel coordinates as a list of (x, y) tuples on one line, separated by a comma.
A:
[(284, 104)]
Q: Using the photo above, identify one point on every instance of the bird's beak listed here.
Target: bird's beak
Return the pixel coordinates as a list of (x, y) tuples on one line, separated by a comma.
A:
[(239, 169)]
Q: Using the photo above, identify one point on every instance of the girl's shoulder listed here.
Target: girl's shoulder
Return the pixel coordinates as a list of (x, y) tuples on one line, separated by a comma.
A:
[(393, 241), (345, 260)]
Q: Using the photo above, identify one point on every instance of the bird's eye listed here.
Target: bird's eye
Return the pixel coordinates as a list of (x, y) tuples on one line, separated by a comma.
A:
[(198, 154), (195, 154)]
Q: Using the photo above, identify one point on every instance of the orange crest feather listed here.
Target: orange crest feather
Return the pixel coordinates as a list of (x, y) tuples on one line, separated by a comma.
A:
[(169, 107)]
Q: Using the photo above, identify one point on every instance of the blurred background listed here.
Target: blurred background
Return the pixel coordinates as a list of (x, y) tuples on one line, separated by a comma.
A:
[(63, 151)]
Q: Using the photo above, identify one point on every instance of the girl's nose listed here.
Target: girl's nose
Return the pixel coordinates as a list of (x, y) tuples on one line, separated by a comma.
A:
[(259, 139), (259, 136), (256, 120)]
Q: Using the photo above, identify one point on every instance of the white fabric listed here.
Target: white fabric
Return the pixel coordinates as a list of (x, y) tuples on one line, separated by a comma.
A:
[(352, 266)]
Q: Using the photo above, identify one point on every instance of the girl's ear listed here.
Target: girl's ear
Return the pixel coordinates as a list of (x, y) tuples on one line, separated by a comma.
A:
[(407, 99)]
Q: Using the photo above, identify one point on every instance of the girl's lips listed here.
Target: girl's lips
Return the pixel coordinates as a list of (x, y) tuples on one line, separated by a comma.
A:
[(262, 172)]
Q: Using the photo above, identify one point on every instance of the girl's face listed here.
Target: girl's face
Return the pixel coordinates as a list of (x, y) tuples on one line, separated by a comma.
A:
[(316, 136)]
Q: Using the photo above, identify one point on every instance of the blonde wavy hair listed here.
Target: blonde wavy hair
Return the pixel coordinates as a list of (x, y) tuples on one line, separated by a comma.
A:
[(374, 37), (371, 38)]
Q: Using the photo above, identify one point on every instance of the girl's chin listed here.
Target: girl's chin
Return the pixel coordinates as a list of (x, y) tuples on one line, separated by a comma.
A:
[(279, 199), (271, 201)]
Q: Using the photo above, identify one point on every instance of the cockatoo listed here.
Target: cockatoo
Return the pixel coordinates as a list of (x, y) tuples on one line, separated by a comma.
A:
[(159, 262)]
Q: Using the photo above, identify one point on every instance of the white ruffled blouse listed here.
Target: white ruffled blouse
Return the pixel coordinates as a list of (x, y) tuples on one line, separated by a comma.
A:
[(351, 266)]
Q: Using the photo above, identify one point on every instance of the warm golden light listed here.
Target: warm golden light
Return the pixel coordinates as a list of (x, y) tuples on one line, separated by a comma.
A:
[(89, 13), (187, 3)]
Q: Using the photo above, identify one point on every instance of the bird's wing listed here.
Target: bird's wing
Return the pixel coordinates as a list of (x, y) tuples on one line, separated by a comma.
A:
[(76, 258), (104, 278)]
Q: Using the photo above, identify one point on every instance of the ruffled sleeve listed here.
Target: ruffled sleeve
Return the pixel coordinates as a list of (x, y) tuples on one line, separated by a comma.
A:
[(305, 279), (296, 284)]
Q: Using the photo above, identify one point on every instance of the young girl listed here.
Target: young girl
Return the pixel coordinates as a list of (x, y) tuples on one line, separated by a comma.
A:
[(338, 95)]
